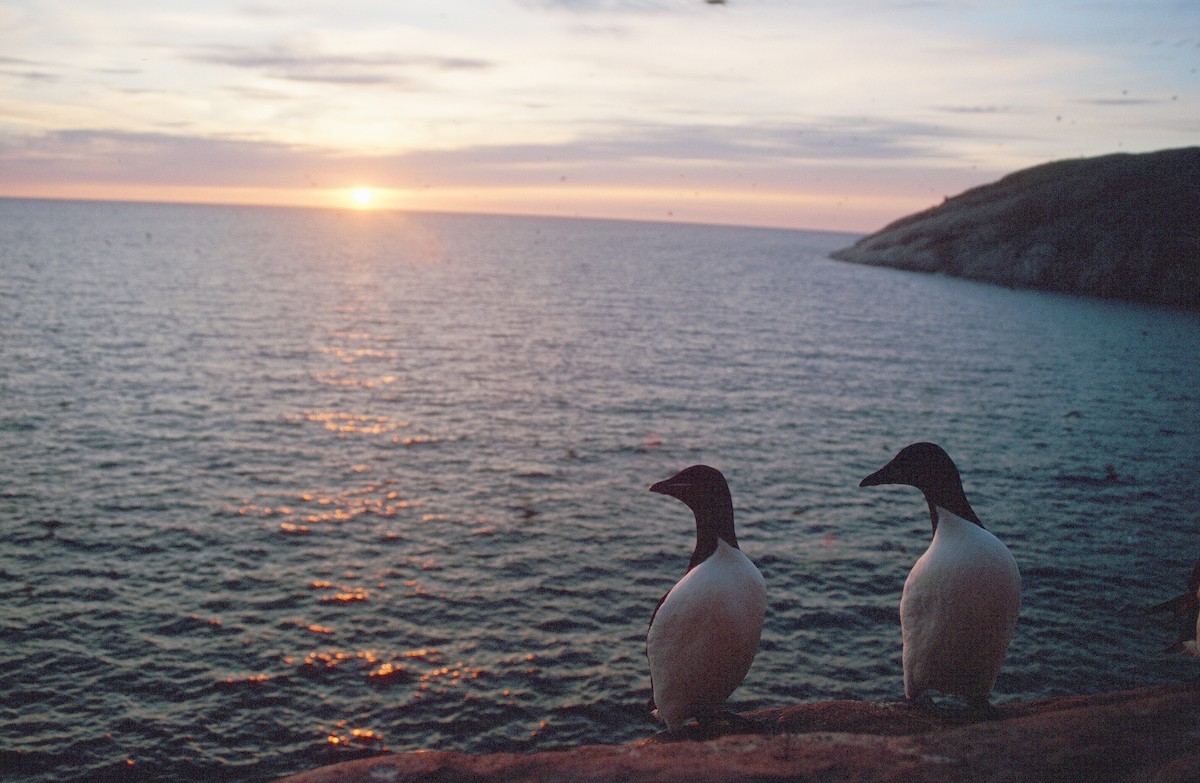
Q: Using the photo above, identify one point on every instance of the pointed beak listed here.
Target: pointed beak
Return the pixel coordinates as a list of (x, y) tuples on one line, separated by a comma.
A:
[(881, 476), (669, 487)]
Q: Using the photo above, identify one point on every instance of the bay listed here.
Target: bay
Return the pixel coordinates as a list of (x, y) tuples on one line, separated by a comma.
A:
[(284, 487)]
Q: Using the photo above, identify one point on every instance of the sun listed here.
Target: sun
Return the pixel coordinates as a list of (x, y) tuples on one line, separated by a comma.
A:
[(362, 196)]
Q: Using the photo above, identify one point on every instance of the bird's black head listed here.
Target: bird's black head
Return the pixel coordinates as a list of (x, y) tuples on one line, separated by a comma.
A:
[(705, 491), (697, 484), (929, 468)]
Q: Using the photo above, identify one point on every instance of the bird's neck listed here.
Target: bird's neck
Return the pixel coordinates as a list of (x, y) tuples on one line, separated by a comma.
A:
[(962, 511), (713, 525)]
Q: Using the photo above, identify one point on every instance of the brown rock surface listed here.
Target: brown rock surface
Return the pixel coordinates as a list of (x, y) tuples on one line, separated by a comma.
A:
[(1149, 734)]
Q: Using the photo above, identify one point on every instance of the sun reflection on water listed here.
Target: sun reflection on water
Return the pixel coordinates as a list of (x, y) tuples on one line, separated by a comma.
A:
[(386, 670), (356, 361), (346, 423), (345, 597), (316, 508), (248, 680), (351, 356), (379, 666), (338, 379), (357, 739)]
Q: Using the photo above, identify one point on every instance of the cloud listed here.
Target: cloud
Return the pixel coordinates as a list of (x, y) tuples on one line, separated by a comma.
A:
[(647, 155), (848, 174), (623, 6), (32, 78), (27, 71), (658, 154), (148, 158), (286, 62), (1120, 101), (973, 109)]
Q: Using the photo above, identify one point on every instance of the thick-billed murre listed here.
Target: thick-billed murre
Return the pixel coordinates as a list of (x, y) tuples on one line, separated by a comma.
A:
[(961, 599), (1185, 611), (705, 631)]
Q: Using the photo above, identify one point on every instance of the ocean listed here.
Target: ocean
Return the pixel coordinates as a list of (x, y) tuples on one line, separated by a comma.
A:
[(284, 487)]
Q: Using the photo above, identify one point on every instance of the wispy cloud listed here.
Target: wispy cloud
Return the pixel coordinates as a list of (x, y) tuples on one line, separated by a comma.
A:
[(649, 154), (292, 64), (1124, 101), (30, 72), (622, 6), (119, 157), (973, 109)]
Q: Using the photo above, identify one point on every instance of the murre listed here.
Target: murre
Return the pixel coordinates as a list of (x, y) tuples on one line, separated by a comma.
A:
[(1185, 612), (705, 631), (961, 599)]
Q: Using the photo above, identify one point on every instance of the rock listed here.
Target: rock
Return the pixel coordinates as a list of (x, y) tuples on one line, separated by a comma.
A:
[(1118, 226), (1149, 734)]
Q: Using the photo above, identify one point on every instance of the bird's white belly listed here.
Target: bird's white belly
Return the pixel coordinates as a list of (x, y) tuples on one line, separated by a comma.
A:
[(958, 611), (704, 636)]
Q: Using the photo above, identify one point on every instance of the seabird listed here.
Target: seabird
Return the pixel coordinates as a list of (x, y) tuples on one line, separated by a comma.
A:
[(961, 599), (705, 631), (1185, 607)]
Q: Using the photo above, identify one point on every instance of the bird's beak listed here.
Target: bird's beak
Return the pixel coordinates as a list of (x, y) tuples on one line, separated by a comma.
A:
[(882, 476), (669, 487)]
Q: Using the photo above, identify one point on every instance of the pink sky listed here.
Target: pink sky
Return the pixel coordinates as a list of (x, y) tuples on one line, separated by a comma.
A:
[(772, 113)]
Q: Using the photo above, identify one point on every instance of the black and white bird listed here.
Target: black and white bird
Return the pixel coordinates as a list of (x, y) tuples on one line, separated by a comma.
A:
[(1185, 611), (961, 599), (705, 631)]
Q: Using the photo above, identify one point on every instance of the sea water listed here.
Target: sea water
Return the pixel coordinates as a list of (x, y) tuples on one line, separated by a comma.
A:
[(280, 488)]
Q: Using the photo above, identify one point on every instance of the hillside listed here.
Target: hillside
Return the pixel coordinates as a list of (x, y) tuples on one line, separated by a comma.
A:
[(1119, 226)]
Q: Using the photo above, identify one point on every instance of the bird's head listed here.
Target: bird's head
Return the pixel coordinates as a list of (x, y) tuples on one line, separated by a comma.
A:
[(929, 468), (705, 491), (698, 485)]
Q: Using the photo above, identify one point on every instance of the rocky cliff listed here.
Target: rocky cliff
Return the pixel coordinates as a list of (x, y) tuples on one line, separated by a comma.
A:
[(1150, 734), (1119, 226)]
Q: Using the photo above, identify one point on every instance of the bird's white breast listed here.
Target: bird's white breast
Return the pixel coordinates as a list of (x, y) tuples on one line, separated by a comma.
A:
[(958, 611), (705, 634)]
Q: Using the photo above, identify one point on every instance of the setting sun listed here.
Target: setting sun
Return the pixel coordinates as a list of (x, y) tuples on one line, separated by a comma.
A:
[(362, 196)]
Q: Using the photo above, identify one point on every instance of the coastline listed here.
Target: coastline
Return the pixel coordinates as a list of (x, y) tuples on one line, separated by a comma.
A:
[(1142, 734)]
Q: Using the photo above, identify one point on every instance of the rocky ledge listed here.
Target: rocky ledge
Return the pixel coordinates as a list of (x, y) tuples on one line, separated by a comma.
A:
[(1118, 226), (1149, 734)]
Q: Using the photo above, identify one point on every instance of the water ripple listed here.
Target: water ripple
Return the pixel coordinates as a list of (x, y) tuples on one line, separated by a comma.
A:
[(286, 487)]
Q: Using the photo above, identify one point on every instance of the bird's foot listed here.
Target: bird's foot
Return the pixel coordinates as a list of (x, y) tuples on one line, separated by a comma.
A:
[(717, 724)]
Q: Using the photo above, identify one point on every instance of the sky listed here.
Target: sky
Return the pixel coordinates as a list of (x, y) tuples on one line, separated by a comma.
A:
[(817, 115)]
